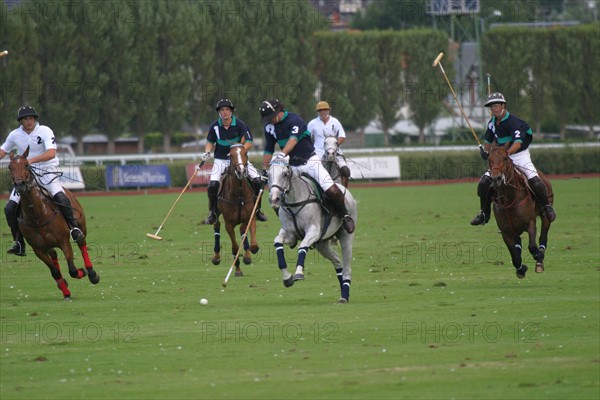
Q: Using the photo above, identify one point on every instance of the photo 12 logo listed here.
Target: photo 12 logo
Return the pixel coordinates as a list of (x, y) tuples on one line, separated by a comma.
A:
[(67, 332)]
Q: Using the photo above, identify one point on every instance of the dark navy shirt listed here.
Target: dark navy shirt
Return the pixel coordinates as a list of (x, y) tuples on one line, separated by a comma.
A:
[(225, 137), (290, 126), (510, 129)]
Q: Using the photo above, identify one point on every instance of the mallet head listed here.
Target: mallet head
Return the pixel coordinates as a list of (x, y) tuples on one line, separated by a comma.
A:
[(152, 236), (437, 59)]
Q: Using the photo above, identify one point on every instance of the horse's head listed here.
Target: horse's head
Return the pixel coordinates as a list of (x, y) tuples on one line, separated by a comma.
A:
[(20, 172), (500, 164), (331, 148), (280, 176), (238, 160)]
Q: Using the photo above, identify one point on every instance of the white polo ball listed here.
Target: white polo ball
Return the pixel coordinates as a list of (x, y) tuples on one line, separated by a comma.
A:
[(203, 302)]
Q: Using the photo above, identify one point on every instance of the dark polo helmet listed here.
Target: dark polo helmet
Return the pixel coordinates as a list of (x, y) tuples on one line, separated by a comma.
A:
[(26, 111), (269, 109), (224, 103), (495, 98)]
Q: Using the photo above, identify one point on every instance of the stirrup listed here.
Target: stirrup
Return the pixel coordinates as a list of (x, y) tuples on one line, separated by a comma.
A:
[(212, 218), (77, 235), (17, 249), (480, 219), (550, 213), (348, 223), (260, 216)]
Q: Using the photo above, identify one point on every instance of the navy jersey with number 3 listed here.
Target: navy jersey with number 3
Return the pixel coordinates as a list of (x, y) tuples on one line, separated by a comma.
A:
[(290, 126)]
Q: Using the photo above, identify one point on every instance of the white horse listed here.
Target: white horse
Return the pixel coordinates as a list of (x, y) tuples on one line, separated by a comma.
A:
[(303, 217), (329, 159)]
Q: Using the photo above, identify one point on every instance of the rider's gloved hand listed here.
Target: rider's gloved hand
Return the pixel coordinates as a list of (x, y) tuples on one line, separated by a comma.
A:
[(264, 175), (206, 156), (484, 154), (280, 156)]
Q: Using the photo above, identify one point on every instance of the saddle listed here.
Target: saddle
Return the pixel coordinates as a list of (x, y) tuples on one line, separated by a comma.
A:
[(322, 200)]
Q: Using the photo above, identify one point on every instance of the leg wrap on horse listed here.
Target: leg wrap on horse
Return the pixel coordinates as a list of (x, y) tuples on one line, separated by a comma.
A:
[(11, 211), (336, 197), (541, 196), (257, 184), (67, 211), (213, 193)]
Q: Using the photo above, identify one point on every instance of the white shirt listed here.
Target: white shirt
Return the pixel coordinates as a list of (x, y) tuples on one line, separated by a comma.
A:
[(40, 140), (319, 130)]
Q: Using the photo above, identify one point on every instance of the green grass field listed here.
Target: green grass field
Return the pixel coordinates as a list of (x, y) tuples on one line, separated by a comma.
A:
[(436, 310)]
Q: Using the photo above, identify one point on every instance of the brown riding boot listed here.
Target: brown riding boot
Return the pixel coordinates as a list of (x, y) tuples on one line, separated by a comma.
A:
[(257, 184), (484, 191), (213, 193), (541, 196), (336, 197), (64, 204)]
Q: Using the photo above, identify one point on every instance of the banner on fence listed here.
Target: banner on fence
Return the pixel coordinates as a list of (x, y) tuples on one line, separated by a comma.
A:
[(202, 176), (128, 176), (374, 167)]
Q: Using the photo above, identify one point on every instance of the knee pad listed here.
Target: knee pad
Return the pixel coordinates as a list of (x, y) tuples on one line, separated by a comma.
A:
[(484, 186), (213, 188), (345, 172), (10, 211)]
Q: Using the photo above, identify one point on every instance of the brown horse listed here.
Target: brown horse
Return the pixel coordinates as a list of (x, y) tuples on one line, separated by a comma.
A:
[(44, 227), (516, 210), (235, 203)]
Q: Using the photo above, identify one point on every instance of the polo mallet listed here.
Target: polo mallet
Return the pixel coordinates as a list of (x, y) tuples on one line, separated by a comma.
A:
[(438, 61), (237, 255), (155, 236), (489, 87), (3, 53)]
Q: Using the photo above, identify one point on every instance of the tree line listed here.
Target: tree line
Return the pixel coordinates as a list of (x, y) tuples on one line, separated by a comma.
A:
[(158, 65)]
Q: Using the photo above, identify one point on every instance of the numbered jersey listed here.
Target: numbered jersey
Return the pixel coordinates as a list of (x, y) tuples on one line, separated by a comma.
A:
[(510, 129), (223, 138), (40, 140), (290, 126)]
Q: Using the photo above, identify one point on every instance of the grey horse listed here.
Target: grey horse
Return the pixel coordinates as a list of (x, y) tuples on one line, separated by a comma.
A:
[(304, 218)]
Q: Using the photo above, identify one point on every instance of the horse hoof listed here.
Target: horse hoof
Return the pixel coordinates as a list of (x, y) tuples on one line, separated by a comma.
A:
[(289, 282), (67, 298), (298, 277), (539, 267), (247, 260), (216, 261), (522, 271), (342, 300), (239, 273), (93, 277), (254, 249)]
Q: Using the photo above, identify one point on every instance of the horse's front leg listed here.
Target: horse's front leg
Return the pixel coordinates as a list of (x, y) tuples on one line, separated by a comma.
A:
[(310, 237), (543, 240), (68, 252), (533, 247), (246, 243), (216, 259), (284, 237), (234, 247), (513, 242), (87, 262), (51, 261)]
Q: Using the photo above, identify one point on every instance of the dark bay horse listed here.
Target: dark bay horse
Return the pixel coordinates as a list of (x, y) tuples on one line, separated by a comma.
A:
[(303, 218), (516, 210), (44, 227), (236, 202)]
